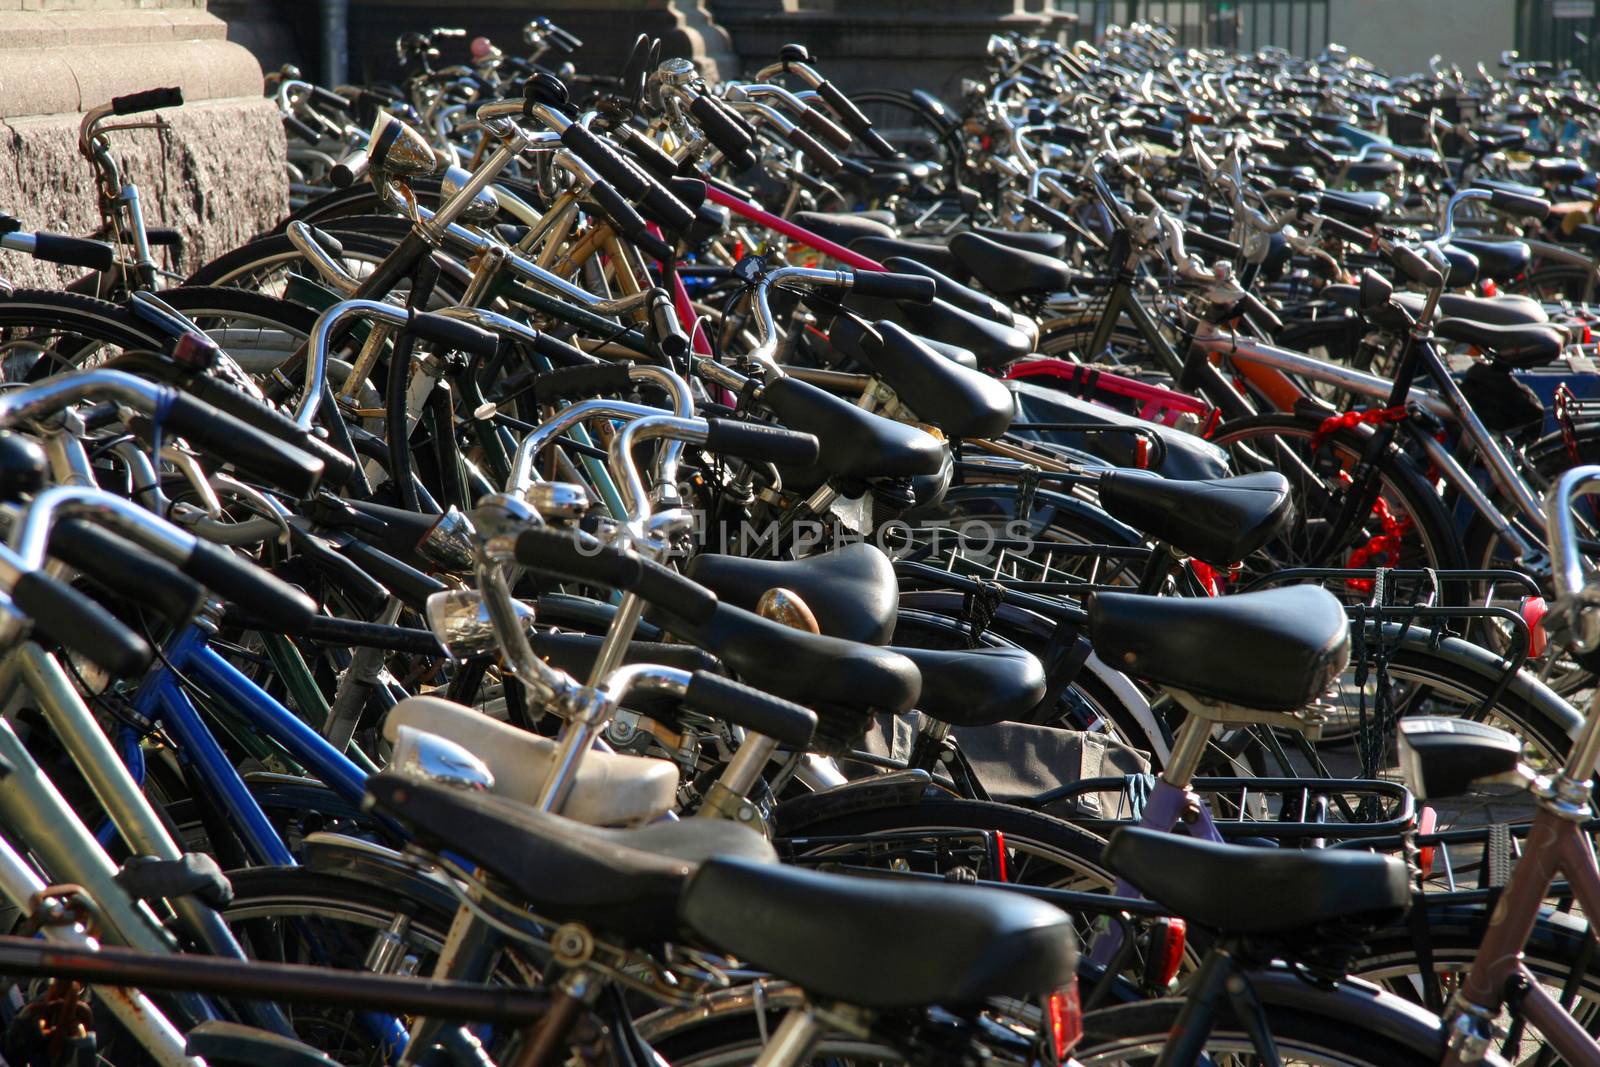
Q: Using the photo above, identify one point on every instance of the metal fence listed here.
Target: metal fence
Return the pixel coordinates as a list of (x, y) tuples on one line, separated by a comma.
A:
[(1301, 26), (1566, 32)]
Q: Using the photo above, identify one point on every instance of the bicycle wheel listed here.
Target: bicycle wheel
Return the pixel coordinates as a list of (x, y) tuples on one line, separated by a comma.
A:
[(1555, 954), (1407, 526), (1135, 1034)]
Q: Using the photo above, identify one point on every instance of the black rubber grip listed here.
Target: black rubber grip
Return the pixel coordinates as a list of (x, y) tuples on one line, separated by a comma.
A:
[(555, 553), (760, 441), (301, 130), (1345, 232), (826, 129), (1261, 312), (1047, 215), (723, 132), (333, 99), (1410, 262), (911, 287), (68, 617), (664, 209), (667, 330), (1525, 207), (236, 579), (253, 451), (815, 151), (652, 157), (126, 569), (854, 121), (692, 191), (1159, 135), (616, 208), (1205, 242), (606, 161), (338, 469), (350, 169), (149, 100), (454, 334), (597, 379), (73, 251), (787, 723), (558, 351)]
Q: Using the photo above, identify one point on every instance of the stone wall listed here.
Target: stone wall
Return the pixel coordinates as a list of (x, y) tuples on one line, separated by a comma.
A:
[(217, 175)]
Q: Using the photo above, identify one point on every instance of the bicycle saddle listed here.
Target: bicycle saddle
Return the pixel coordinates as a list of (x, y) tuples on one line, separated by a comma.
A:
[(1559, 170), (977, 686), (1219, 520), (1040, 241), (625, 883), (1358, 208), (609, 789), (948, 289), (1010, 271), (1374, 171), (881, 943), (842, 228), (995, 344), (1518, 347), (1291, 890), (958, 400), (1495, 310), (851, 590), (1499, 260), (1275, 650), (842, 681), (853, 443), (939, 257)]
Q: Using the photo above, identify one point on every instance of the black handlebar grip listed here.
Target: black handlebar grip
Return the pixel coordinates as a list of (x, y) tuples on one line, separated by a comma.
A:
[(606, 161), (692, 191), (73, 251), (237, 579), (1047, 215), (826, 129), (555, 553), (338, 469), (126, 569), (301, 130), (333, 99), (667, 330), (558, 351), (656, 161), (1261, 312), (910, 287), (1410, 262), (1159, 135), (595, 379), (854, 121), (628, 222), (68, 617), (1346, 232), (815, 151), (787, 723), (455, 334), (760, 441), (350, 169), (1526, 207), (149, 100), (663, 208), (1206, 242), (724, 133), (235, 441)]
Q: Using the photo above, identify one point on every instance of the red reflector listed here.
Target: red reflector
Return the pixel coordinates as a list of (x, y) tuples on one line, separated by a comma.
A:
[(1167, 947), (1064, 1014), (1490, 288), (1534, 609), (1427, 819), (1141, 451), (1001, 874), (1588, 335)]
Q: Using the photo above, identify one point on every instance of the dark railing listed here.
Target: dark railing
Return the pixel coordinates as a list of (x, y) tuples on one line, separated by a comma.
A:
[(1565, 32), (1301, 26)]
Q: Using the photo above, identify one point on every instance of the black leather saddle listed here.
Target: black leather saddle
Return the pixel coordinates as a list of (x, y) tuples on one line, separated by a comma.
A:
[(1219, 520), (1275, 650), (977, 686), (623, 883), (995, 344), (1495, 310), (881, 943), (1518, 347), (1559, 171), (937, 256), (958, 400), (1285, 890), (1042, 242), (853, 443), (1374, 171), (1357, 208), (851, 590), (844, 682), (1502, 261), (1010, 271), (948, 289), (842, 228)]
